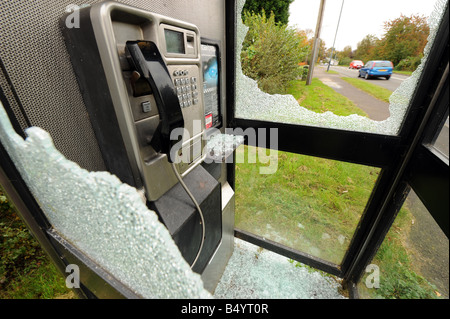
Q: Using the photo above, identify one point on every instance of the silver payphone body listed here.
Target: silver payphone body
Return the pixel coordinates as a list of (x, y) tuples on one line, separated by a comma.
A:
[(141, 77), (152, 68)]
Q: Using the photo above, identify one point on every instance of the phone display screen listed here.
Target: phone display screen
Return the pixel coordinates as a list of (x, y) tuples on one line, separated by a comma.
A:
[(174, 41), (210, 84)]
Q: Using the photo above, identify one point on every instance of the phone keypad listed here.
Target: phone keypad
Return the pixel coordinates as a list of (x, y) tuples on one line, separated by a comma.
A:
[(186, 88)]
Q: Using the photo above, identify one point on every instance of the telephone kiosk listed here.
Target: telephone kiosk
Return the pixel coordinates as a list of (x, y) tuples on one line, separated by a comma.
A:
[(141, 77)]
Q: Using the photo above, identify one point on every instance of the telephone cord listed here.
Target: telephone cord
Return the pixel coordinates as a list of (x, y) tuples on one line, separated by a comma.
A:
[(198, 209)]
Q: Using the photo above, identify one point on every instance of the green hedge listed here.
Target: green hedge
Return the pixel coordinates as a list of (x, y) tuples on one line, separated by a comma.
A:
[(271, 53)]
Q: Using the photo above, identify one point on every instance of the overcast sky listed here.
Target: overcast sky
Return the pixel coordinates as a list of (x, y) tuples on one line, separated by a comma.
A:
[(359, 17)]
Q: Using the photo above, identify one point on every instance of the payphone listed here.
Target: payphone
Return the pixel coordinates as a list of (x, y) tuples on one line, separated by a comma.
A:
[(141, 77)]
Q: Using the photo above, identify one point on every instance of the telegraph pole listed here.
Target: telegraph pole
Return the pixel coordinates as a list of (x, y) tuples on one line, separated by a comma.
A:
[(334, 41), (315, 49)]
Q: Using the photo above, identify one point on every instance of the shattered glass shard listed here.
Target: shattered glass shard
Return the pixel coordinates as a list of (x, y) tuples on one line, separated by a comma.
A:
[(106, 219)]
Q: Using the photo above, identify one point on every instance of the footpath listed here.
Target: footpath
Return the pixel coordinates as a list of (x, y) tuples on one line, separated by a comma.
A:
[(376, 110)]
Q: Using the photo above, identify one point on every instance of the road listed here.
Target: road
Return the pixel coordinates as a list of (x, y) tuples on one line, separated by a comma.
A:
[(392, 84)]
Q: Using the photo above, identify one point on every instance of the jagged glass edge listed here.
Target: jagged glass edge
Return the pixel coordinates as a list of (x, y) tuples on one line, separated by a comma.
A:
[(101, 216), (252, 103)]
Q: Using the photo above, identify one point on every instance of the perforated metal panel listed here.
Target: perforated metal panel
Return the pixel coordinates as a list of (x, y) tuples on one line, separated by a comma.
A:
[(37, 78)]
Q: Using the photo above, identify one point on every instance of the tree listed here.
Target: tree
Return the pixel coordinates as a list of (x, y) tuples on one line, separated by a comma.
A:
[(366, 47), (405, 37), (322, 50), (321, 47), (271, 53), (305, 41), (280, 8), (345, 56), (404, 40), (347, 52)]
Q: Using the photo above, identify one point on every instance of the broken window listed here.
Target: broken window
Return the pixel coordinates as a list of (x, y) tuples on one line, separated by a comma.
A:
[(252, 103)]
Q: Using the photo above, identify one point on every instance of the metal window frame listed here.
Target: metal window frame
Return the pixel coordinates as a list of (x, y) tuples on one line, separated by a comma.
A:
[(402, 159)]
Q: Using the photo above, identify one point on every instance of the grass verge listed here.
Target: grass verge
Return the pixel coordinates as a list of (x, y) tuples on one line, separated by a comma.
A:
[(320, 98), (372, 89), (403, 72), (332, 72), (311, 204), (398, 278)]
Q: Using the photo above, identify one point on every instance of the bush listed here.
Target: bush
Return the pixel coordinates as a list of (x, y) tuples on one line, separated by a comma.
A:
[(345, 61), (409, 64), (271, 53), (304, 72)]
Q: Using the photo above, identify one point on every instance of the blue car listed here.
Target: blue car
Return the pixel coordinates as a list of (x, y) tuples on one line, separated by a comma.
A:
[(375, 69)]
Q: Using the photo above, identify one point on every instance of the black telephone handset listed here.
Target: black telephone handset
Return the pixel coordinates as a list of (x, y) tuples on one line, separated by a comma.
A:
[(147, 61)]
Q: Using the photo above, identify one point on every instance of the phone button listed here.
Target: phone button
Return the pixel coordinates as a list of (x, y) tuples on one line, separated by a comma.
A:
[(146, 106)]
